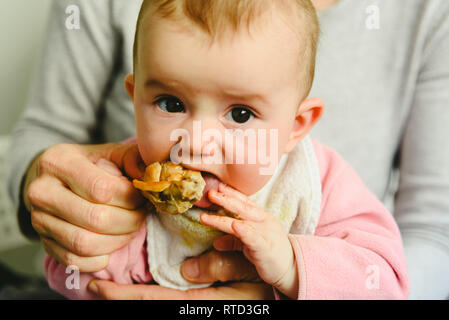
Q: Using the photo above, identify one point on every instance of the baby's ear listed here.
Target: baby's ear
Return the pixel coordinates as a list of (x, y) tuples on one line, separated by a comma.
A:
[(129, 85), (309, 112)]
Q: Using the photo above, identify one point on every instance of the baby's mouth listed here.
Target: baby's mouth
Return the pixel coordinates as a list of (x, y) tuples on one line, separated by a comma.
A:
[(212, 183)]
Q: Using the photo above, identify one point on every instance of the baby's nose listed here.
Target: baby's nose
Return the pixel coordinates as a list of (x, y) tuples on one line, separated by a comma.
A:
[(206, 139)]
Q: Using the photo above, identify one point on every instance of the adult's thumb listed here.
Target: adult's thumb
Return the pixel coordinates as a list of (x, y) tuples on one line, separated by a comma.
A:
[(219, 266), (125, 156)]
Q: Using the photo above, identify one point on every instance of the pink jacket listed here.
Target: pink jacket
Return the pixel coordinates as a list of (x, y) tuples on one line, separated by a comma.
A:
[(356, 252)]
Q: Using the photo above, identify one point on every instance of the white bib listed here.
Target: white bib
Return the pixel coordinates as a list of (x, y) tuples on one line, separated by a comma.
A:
[(293, 195)]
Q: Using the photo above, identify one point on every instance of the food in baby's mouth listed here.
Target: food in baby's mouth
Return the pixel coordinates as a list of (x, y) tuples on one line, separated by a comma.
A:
[(171, 188)]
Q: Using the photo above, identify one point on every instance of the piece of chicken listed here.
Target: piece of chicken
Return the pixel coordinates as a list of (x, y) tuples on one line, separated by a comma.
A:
[(171, 188)]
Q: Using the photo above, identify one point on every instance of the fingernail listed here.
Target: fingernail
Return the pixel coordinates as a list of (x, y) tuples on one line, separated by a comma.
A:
[(214, 193), (222, 185), (93, 287), (191, 268)]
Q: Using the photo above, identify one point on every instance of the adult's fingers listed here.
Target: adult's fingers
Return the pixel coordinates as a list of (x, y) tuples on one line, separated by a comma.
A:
[(75, 239), (111, 291), (125, 156), (76, 168), (67, 258), (228, 242), (131, 161), (219, 266), (249, 291), (110, 167), (235, 291), (49, 195)]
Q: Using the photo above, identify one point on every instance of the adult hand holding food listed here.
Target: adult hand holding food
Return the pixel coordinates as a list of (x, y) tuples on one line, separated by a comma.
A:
[(78, 199)]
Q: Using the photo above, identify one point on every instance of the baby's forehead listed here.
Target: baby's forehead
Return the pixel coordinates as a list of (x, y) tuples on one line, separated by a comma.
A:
[(166, 43), (278, 23), (226, 24)]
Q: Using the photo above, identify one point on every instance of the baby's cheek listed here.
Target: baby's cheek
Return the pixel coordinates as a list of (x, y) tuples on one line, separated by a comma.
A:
[(247, 178)]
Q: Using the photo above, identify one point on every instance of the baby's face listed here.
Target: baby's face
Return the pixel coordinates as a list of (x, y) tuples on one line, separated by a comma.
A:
[(247, 82)]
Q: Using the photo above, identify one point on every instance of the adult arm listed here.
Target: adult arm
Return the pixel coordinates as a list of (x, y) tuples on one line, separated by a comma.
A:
[(71, 78), (64, 193), (422, 198)]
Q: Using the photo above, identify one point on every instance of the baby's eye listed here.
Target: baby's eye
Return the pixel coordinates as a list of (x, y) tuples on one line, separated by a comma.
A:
[(170, 104), (240, 115)]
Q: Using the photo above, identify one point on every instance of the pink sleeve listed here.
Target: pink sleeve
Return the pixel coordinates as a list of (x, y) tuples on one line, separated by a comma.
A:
[(126, 266), (356, 252)]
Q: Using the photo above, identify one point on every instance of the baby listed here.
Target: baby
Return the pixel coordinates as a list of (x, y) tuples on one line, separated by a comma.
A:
[(209, 76)]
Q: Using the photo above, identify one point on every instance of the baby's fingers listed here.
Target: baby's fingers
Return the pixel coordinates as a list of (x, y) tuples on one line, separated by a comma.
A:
[(239, 206), (221, 223), (224, 188), (250, 236)]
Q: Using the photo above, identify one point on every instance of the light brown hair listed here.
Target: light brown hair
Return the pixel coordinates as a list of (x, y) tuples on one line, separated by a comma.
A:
[(214, 16)]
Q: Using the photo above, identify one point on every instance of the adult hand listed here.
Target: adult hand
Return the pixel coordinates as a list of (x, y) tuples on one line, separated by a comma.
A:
[(81, 204), (209, 267)]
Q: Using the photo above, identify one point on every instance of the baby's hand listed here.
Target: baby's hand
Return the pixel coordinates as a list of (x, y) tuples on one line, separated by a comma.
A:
[(259, 235)]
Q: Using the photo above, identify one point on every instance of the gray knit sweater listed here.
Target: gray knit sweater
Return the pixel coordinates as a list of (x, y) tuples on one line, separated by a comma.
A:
[(382, 70)]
